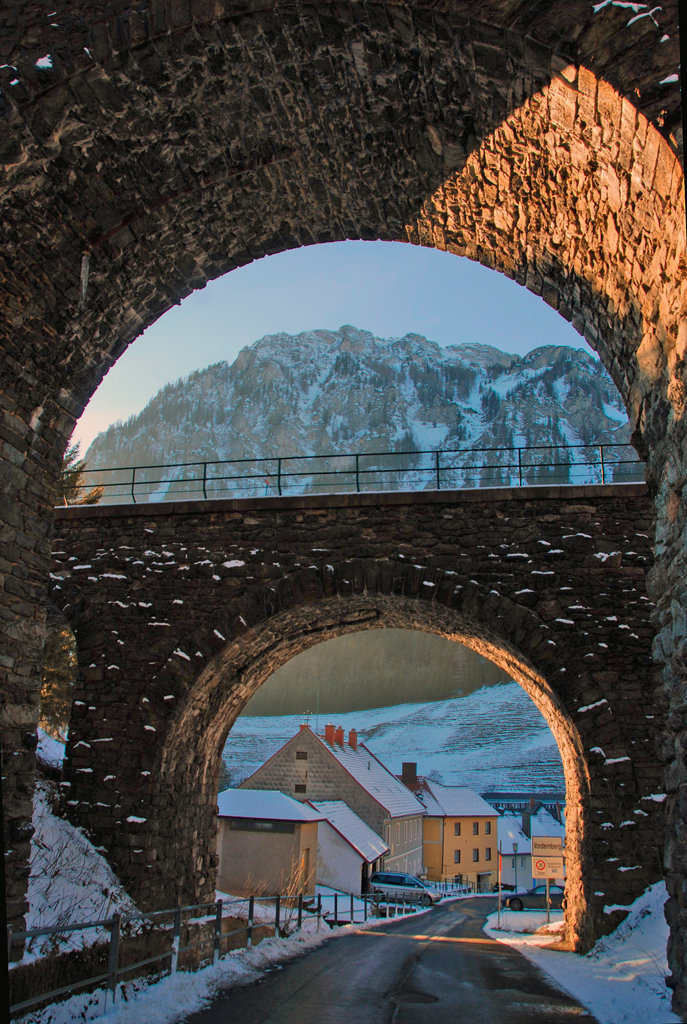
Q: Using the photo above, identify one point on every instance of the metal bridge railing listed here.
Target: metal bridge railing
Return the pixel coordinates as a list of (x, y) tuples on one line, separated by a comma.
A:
[(408, 470)]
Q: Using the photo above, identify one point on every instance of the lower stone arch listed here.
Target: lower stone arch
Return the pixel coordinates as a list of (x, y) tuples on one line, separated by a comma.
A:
[(205, 720)]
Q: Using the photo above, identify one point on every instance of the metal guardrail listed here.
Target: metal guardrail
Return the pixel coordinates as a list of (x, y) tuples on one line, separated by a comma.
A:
[(431, 469), (288, 914)]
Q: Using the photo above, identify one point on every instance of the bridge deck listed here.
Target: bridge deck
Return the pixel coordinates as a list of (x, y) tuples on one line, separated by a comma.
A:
[(353, 499)]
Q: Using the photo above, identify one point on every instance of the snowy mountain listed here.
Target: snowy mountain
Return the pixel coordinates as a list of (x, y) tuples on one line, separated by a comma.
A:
[(493, 738), (348, 391)]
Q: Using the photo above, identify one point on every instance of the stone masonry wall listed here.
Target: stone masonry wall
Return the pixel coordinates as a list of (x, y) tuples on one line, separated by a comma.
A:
[(181, 611), (153, 148)]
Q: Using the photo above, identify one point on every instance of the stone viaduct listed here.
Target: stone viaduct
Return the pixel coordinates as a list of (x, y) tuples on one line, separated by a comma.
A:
[(149, 147), (181, 611)]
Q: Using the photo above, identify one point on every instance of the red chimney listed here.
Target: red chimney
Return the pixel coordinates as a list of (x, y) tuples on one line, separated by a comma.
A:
[(353, 739), (329, 734), (339, 736)]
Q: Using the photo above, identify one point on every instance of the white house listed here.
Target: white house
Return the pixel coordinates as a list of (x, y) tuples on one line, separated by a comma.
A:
[(348, 850), (515, 845)]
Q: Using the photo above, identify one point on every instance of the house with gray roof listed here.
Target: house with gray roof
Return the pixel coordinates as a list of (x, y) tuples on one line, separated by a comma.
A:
[(266, 844), (348, 850), (337, 767), (460, 843)]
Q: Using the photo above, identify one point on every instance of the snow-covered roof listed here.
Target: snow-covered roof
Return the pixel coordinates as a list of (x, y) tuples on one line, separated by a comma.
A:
[(352, 828), (379, 782), (263, 804), (451, 801), (509, 830)]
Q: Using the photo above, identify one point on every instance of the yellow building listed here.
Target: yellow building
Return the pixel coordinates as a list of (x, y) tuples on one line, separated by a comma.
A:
[(460, 842)]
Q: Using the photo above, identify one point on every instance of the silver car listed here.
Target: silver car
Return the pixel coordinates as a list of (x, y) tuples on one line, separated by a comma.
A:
[(396, 885)]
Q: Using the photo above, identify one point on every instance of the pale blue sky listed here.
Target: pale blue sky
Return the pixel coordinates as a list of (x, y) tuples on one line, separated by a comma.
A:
[(388, 288)]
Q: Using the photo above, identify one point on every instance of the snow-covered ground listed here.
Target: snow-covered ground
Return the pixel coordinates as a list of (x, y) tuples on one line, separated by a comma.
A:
[(622, 979), (453, 741), (69, 881)]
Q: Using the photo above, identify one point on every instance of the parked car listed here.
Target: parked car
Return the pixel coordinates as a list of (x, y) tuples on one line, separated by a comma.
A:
[(399, 886), (535, 898)]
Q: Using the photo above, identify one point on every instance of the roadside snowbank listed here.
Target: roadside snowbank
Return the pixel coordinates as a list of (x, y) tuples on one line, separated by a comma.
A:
[(622, 979)]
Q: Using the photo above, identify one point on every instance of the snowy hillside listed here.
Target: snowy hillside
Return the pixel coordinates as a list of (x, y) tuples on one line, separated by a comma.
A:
[(494, 738), (348, 391)]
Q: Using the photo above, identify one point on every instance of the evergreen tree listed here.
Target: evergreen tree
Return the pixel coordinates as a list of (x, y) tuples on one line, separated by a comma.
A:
[(59, 674), (72, 489)]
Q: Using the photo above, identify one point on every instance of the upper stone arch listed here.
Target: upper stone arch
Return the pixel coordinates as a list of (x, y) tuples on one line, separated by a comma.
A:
[(198, 142)]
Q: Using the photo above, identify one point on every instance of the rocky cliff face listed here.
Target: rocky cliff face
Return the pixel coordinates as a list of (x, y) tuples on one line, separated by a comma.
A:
[(348, 391)]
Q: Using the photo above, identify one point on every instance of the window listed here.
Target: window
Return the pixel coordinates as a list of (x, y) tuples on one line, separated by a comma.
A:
[(456, 828), (254, 825), (487, 853), (299, 787), (475, 855), (487, 828), (475, 828), (301, 755), (456, 856)]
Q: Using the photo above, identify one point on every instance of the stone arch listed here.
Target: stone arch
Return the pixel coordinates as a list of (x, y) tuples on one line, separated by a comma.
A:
[(485, 157), (204, 718), (325, 115), (171, 713)]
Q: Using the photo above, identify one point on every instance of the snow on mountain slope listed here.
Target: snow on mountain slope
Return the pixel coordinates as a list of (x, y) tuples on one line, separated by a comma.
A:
[(494, 738), (348, 391)]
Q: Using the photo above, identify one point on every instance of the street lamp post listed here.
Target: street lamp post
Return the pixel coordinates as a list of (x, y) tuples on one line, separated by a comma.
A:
[(515, 862)]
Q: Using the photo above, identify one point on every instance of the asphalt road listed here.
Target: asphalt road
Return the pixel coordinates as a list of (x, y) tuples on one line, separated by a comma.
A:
[(436, 968)]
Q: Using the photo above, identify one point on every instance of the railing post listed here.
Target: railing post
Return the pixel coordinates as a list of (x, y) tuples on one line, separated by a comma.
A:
[(218, 932), (277, 908), (133, 484), (113, 963), (352, 910), (365, 907), (300, 910), (519, 467), (603, 468), (205, 476), (357, 472), (336, 908), (279, 477), (249, 927), (176, 941), (319, 910), (436, 462)]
